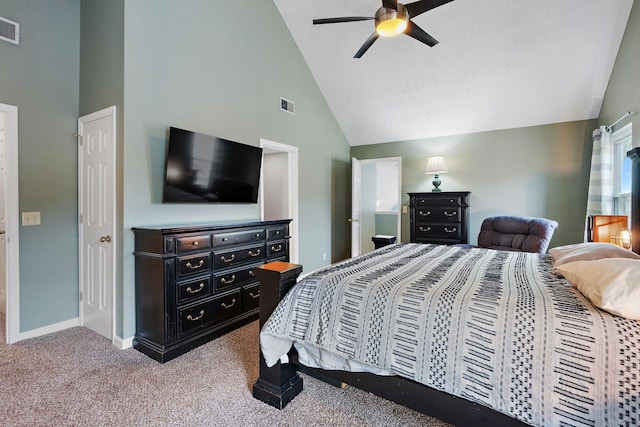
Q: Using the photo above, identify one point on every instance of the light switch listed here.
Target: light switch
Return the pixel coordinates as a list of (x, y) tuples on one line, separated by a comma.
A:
[(30, 218), (405, 209)]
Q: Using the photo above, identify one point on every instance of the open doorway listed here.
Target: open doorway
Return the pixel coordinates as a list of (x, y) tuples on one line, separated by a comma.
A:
[(279, 189), (9, 219), (376, 187)]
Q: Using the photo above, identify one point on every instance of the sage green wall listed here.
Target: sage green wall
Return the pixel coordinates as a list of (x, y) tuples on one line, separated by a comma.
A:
[(623, 91), (537, 171), (40, 77), (222, 71), (101, 86)]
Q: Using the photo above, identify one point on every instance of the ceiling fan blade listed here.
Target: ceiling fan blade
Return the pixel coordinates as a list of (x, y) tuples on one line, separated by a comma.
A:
[(422, 6), (419, 34), (367, 44), (391, 4), (339, 20)]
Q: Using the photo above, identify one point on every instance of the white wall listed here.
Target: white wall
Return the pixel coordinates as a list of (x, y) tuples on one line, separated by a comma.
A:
[(275, 182)]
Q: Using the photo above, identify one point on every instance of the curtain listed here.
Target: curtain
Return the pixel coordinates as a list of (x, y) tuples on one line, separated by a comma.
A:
[(600, 195)]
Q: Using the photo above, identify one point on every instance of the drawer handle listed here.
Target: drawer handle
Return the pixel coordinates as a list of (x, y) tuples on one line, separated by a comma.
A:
[(256, 254), (251, 273), (224, 239), (258, 235), (278, 249), (450, 213), (452, 230), (425, 229), (233, 256), (196, 243), (198, 265), (278, 233), (230, 305), (424, 214), (252, 295), (191, 291), (451, 201), (190, 317), (228, 282)]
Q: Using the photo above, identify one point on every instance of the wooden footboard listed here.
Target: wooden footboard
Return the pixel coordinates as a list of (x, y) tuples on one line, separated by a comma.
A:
[(279, 384)]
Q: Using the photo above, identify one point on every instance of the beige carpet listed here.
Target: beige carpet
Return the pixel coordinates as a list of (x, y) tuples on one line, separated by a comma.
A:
[(77, 378)]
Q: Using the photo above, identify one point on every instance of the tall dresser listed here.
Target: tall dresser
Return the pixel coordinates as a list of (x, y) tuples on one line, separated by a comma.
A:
[(195, 283), (439, 217)]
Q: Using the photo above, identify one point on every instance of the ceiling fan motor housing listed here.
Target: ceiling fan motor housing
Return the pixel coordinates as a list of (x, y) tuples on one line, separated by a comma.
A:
[(391, 22)]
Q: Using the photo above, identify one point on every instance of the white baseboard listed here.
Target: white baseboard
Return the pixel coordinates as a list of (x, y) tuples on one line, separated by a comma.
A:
[(56, 327), (123, 343)]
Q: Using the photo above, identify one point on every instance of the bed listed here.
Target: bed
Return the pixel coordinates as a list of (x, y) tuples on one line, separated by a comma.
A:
[(471, 336)]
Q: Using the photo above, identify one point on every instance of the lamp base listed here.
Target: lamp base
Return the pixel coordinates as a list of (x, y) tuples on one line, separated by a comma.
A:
[(436, 183)]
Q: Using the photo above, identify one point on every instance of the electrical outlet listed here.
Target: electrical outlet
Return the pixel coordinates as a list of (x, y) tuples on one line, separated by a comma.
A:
[(324, 256), (30, 218)]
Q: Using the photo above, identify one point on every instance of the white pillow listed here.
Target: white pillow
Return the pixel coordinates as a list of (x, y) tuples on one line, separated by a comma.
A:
[(611, 284), (588, 251)]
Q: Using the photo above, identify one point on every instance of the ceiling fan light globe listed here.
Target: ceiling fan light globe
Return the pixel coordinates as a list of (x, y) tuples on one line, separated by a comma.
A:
[(391, 27), (391, 22)]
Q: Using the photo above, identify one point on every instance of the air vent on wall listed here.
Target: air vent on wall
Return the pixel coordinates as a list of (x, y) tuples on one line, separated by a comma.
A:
[(9, 31), (288, 106)]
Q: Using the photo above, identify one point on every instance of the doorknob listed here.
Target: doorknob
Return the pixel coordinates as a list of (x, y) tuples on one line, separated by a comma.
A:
[(105, 239), (353, 220)]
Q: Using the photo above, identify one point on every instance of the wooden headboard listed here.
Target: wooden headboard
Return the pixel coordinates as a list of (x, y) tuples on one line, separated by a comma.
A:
[(634, 155)]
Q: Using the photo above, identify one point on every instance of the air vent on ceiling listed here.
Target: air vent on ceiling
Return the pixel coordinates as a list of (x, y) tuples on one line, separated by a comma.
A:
[(288, 106), (9, 31)]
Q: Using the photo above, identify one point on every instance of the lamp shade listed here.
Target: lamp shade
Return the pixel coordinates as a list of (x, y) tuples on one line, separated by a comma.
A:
[(436, 165)]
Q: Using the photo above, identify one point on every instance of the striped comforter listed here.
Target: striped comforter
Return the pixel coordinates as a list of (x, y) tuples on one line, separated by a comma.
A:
[(494, 327)]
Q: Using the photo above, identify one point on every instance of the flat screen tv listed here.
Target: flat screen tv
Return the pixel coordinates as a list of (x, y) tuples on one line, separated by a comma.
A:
[(204, 169)]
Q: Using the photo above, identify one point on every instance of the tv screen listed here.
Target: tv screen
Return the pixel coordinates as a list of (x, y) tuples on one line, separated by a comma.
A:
[(205, 169)]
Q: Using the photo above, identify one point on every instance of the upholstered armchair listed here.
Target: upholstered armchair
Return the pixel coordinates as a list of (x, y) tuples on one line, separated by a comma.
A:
[(515, 233)]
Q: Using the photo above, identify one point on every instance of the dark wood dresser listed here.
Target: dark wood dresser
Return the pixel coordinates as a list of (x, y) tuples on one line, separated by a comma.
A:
[(439, 217), (195, 283)]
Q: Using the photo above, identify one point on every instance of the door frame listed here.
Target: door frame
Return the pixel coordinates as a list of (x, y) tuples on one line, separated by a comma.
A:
[(12, 274), (356, 207), (292, 177), (105, 112)]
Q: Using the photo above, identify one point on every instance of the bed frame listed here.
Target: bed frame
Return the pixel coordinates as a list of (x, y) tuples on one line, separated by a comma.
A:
[(279, 384)]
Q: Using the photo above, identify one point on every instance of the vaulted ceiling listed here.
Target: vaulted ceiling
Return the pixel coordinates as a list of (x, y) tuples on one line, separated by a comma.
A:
[(499, 64)]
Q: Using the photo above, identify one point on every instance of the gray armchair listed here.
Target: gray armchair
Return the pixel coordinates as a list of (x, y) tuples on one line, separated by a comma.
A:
[(515, 233)]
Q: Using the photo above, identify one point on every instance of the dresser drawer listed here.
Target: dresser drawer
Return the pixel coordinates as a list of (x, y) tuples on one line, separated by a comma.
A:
[(195, 317), (238, 237), (202, 315), (437, 213), (277, 249), (194, 289), (193, 243), (277, 233), (232, 278), (428, 231), (224, 259), (442, 200), (194, 264), (251, 297)]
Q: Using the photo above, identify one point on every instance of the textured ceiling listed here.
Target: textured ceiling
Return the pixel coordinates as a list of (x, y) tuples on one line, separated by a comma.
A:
[(500, 64)]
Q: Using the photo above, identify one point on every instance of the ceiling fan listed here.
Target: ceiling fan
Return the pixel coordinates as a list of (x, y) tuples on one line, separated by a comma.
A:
[(392, 19)]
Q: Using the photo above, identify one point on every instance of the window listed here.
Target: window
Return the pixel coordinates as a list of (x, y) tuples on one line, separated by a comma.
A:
[(622, 171)]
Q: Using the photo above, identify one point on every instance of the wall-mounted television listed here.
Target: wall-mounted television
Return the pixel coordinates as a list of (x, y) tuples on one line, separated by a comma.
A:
[(205, 169)]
